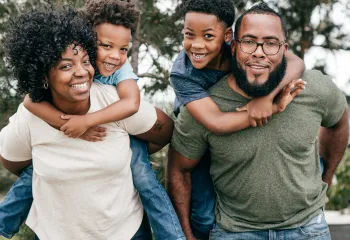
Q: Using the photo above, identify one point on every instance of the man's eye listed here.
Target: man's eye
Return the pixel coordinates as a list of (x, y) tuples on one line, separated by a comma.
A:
[(250, 42), (271, 43)]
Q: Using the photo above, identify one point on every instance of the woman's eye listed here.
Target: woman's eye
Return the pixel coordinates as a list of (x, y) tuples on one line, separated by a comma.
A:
[(87, 61), (65, 67)]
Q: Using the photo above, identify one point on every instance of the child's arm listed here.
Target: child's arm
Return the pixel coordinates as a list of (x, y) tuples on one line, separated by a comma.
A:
[(261, 108), (206, 112), (128, 105), (45, 111)]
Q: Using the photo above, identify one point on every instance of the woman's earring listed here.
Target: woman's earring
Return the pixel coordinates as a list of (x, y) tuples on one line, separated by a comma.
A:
[(46, 85)]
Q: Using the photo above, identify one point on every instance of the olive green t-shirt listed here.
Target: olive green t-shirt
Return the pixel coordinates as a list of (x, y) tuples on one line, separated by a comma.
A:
[(266, 177)]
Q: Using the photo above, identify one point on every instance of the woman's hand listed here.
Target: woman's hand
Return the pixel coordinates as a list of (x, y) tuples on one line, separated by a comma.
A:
[(94, 134)]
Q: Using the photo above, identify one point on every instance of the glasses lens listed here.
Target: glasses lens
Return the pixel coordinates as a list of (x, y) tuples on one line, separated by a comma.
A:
[(248, 46), (271, 48)]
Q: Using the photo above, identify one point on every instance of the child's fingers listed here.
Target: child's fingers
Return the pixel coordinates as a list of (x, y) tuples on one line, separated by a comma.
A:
[(241, 109), (66, 117)]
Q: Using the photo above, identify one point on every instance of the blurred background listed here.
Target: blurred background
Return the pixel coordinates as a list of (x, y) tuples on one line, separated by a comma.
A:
[(319, 33)]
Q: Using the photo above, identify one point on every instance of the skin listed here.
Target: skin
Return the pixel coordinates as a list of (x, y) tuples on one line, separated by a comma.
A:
[(202, 43), (179, 167), (76, 69), (112, 47)]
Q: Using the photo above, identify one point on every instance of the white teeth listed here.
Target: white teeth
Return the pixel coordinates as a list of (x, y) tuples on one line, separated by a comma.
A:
[(198, 56), (80, 86), (109, 66), (257, 67)]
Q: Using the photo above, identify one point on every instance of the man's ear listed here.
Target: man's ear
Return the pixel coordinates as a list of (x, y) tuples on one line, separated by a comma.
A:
[(228, 34), (286, 47), (233, 47)]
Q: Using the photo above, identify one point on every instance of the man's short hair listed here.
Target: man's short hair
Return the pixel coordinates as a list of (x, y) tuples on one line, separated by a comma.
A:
[(261, 8), (224, 10)]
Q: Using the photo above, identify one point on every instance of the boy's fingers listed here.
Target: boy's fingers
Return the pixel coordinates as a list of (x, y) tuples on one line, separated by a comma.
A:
[(244, 108), (66, 117)]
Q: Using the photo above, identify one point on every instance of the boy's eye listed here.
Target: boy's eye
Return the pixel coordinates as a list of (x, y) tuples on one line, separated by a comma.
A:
[(208, 35), (105, 45), (189, 34), (124, 49)]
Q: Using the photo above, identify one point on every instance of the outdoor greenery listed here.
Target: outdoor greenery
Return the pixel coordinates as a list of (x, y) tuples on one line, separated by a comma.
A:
[(158, 40)]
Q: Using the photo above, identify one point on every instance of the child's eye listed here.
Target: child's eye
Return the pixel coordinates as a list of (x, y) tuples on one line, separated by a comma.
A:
[(124, 49), (189, 34), (208, 35), (87, 62), (105, 45)]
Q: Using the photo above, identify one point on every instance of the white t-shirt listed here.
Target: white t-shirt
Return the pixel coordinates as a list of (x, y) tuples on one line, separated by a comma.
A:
[(82, 190)]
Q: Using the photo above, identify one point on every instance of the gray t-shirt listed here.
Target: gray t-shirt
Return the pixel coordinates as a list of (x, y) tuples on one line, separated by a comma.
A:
[(266, 177)]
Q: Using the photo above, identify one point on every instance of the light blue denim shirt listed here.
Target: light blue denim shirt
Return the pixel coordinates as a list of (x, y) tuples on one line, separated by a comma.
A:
[(124, 73)]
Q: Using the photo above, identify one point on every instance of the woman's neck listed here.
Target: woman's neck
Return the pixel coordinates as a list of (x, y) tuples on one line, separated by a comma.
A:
[(73, 108)]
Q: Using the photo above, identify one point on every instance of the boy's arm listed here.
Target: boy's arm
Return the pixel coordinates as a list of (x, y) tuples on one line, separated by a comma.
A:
[(206, 112), (261, 108), (45, 111), (128, 105)]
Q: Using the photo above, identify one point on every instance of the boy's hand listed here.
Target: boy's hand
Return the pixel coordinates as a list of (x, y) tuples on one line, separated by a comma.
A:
[(288, 94), (94, 134), (259, 111), (75, 126)]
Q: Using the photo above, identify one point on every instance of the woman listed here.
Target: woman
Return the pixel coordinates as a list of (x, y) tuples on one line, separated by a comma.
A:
[(81, 190)]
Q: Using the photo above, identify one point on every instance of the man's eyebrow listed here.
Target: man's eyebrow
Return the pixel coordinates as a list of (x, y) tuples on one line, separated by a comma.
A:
[(271, 37), (249, 35)]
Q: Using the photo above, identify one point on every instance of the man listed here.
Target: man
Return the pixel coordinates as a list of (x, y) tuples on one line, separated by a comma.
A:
[(267, 180)]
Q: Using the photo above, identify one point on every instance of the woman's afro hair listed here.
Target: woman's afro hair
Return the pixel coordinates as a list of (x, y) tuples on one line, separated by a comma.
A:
[(224, 10), (35, 42), (118, 12)]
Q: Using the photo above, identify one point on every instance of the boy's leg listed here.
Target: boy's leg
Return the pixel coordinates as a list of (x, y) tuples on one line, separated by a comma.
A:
[(202, 199), (155, 200), (16, 205)]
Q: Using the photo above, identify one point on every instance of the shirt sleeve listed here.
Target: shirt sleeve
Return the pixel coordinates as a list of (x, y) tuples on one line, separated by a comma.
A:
[(187, 90), (15, 140), (189, 136), (124, 73), (142, 121), (335, 103)]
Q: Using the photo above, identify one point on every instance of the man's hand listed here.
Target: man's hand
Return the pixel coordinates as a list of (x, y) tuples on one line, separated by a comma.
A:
[(76, 125), (288, 94), (94, 134)]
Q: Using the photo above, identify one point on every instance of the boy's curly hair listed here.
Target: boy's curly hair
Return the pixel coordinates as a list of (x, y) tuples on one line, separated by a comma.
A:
[(37, 39), (118, 12), (224, 10)]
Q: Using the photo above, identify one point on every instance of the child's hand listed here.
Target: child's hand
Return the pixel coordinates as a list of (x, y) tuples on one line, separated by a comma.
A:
[(288, 94), (94, 134), (259, 111), (75, 126)]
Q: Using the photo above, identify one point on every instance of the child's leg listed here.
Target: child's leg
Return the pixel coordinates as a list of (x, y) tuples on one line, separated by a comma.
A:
[(16, 205), (202, 199), (155, 200)]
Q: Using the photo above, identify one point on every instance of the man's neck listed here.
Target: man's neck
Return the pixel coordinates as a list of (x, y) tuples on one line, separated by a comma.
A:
[(231, 80)]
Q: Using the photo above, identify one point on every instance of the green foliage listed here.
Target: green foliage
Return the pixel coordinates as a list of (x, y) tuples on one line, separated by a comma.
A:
[(339, 192), (25, 233)]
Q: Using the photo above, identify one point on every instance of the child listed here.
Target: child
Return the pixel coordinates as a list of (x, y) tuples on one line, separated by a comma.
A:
[(113, 22), (205, 60)]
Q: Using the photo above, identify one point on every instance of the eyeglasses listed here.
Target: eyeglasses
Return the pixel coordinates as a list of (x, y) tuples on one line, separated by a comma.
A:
[(271, 47)]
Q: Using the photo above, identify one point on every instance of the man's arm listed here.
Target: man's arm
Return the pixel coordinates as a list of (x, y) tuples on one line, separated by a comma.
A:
[(15, 167), (332, 145), (179, 185)]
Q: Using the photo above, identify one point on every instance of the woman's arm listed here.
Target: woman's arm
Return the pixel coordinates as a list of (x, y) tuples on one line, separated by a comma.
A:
[(15, 167), (128, 105)]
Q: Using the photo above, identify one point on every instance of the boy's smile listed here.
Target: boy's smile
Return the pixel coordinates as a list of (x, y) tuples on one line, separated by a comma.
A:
[(204, 35), (112, 47)]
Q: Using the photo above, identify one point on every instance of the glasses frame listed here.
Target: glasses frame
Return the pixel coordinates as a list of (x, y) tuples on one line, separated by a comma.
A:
[(262, 46)]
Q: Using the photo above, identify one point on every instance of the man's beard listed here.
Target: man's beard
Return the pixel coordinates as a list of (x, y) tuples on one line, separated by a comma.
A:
[(255, 90)]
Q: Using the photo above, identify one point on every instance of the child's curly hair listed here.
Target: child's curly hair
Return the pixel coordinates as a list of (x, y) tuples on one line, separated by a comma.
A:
[(37, 39), (118, 12), (224, 10)]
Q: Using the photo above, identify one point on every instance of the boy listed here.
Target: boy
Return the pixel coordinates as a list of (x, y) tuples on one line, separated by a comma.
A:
[(206, 59), (113, 22)]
